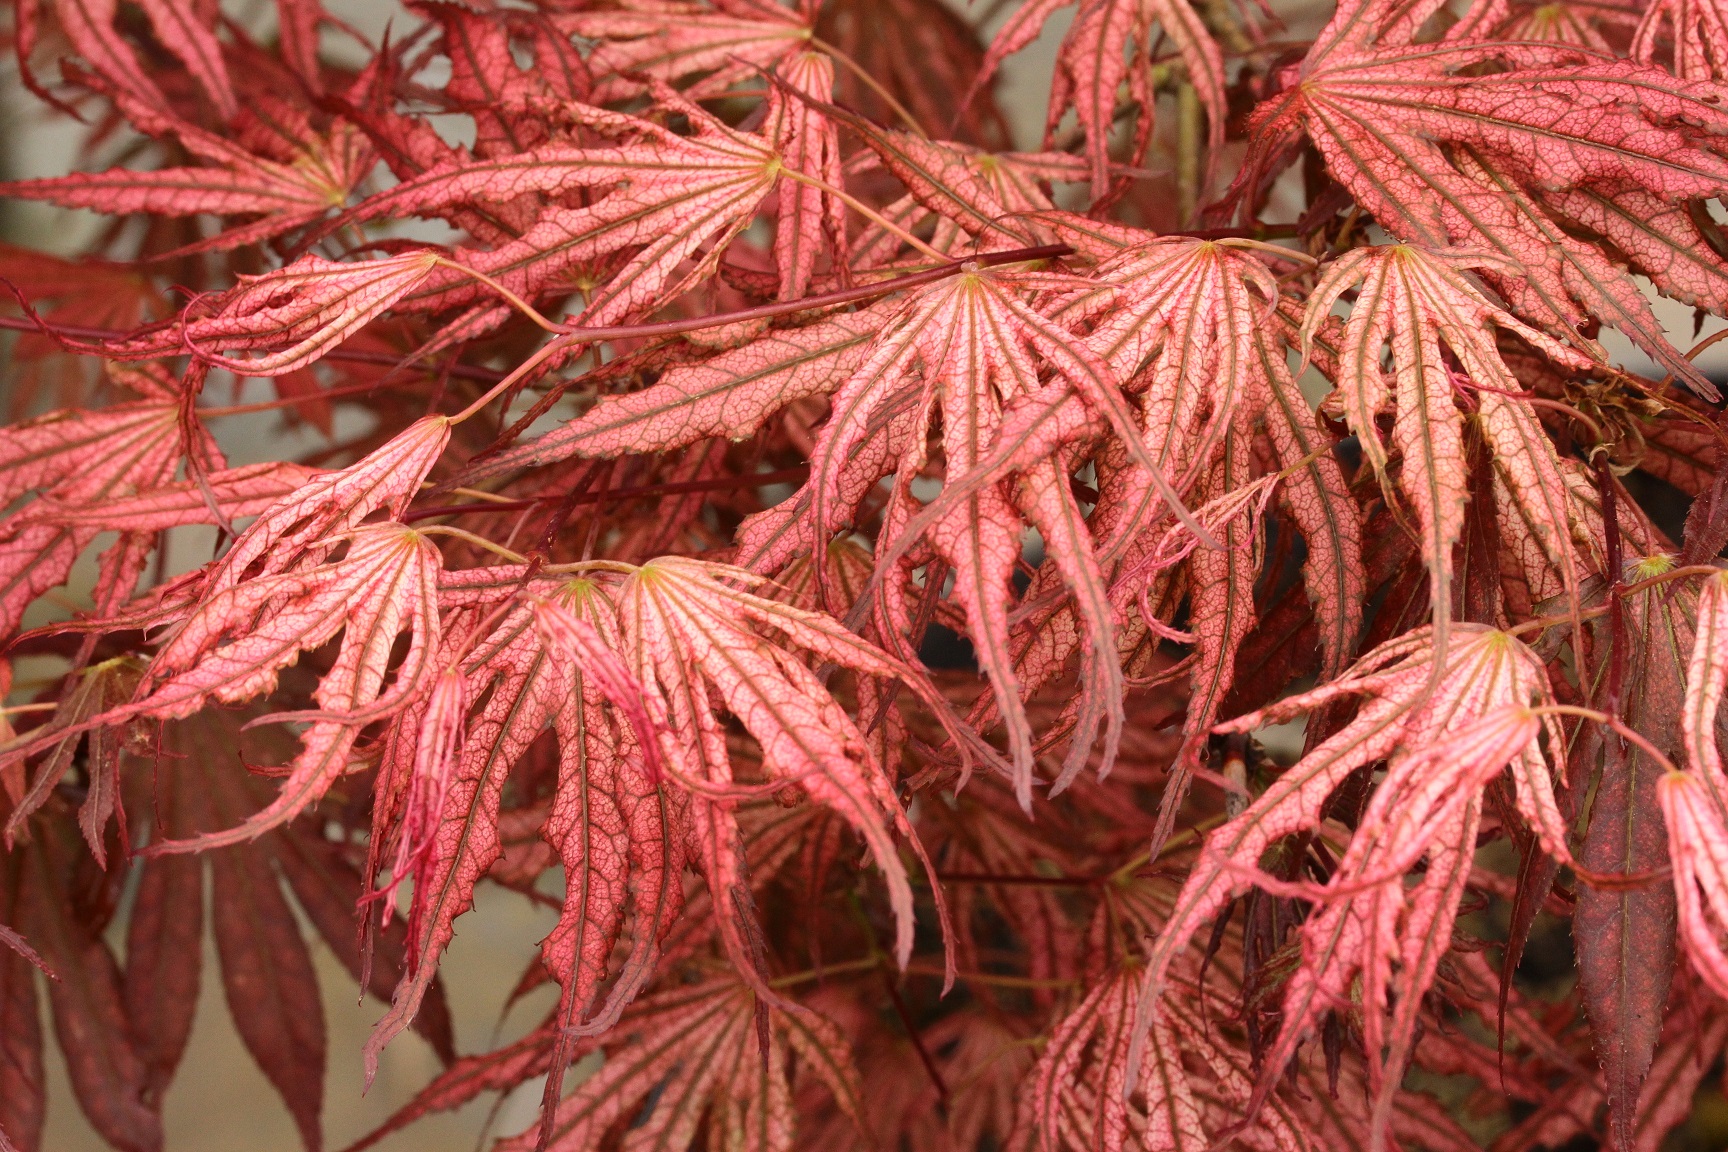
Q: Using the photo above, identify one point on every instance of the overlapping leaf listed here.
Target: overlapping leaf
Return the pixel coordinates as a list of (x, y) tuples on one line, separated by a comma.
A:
[(1512, 161)]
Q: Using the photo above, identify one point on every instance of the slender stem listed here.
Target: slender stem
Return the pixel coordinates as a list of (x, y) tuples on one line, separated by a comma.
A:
[(862, 209), (615, 494), (516, 301), (544, 353), (911, 1027), (872, 83), (477, 494), (477, 541), (352, 356), (1706, 342), (1672, 574), (1614, 722), (861, 964), (988, 978), (1686, 573), (1020, 878)]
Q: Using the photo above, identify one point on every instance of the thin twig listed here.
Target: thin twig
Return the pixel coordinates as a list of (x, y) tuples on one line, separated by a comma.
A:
[(615, 494)]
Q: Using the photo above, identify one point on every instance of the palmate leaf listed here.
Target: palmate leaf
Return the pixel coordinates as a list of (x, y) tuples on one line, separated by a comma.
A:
[(667, 198), (1697, 34), (527, 685), (1417, 302), (232, 646), (1191, 326), (1449, 722), (1190, 314), (80, 457), (678, 630), (184, 31), (1079, 1096), (966, 192), (1587, 25), (690, 629), (967, 348), (285, 197), (1513, 161)]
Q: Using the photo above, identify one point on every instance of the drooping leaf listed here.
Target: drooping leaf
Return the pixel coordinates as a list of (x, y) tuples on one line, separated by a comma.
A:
[(1449, 721), (1418, 302)]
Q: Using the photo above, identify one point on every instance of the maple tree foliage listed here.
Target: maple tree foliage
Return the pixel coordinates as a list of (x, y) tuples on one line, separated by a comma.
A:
[(1165, 626)]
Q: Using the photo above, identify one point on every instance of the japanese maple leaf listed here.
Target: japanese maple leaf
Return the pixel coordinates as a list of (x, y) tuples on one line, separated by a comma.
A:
[(693, 634), (236, 641), (275, 593), (182, 29), (303, 527), (236, 182), (666, 199), (1108, 45), (1418, 303), (721, 43), (966, 191), (95, 690), (1191, 327), (966, 347), (1447, 722), (491, 81), (1582, 25), (617, 829), (1513, 161), (700, 1061), (1194, 331), (310, 306), (953, 182)]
